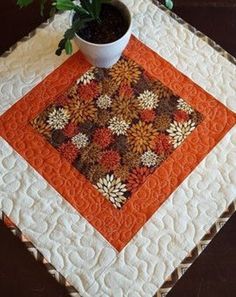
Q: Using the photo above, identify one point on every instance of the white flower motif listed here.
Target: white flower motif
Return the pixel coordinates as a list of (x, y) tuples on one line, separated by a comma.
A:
[(118, 126), (87, 77), (184, 106), (58, 118), (148, 100), (150, 159), (178, 131), (104, 102), (80, 140), (113, 189)]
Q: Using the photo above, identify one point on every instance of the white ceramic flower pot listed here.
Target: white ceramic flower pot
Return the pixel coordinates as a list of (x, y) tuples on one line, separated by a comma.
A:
[(106, 55)]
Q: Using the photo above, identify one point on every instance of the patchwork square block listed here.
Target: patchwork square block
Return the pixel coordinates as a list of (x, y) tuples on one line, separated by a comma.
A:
[(116, 127)]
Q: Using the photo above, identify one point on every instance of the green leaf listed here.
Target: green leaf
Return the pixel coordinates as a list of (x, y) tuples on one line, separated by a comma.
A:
[(61, 47), (68, 47), (97, 5), (70, 33), (62, 43), (81, 10), (23, 3), (79, 24), (42, 4), (86, 5), (64, 5), (169, 4)]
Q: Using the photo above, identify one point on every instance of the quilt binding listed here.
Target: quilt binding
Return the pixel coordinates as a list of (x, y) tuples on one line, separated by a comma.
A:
[(193, 255), (199, 248), (39, 257)]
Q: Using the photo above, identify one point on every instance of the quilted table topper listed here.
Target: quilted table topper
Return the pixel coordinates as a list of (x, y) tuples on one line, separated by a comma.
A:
[(116, 174)]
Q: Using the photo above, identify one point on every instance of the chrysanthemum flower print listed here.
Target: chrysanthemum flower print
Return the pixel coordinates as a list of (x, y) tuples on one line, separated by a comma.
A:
[(58, 118), (181, 116), (122, 172), (116, 126), (103, 137), (69, 151), (81, 111), (148, 100), (125, 72), (137, 177), (70, 130), (87, 77), (163, 144), (182, 105), (104, 102), (80, 140), (109, 87), (110, 160), (147, 115), (150, 159), (113, 189), (178, 131), (141, 136), (41, 125), (126, 91), (89, 91), (126, 108)]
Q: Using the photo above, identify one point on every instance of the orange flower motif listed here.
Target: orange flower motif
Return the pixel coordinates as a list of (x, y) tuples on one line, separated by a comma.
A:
[(163, 144), (125, 72), (70, 130), (103, 137), (110, 160), (109, 87), (72, 93), (89, 91), (148, 115), (125, 91), (126, 108), (181, 116), (162, 122), (41, 125), (69, 151), (81, 111), (137, 178), (141, 136), (122, 172)]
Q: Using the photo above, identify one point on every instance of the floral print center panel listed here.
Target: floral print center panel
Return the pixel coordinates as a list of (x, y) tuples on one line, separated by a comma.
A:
[(116, 126)]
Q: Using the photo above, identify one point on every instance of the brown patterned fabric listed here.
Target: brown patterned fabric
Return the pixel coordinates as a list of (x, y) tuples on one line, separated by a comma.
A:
[(116, 127)]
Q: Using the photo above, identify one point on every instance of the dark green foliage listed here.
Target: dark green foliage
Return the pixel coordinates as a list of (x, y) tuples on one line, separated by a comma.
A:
[(24, 3), (88, 10)]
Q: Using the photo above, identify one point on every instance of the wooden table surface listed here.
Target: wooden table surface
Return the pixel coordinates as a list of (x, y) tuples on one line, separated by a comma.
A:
[(213, 274)]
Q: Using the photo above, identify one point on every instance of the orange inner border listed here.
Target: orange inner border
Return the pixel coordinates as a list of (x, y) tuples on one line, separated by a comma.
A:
[(117, 226)]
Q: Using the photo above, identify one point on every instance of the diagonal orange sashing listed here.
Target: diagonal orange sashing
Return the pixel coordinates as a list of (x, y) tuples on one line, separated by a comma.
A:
[(117, 226)]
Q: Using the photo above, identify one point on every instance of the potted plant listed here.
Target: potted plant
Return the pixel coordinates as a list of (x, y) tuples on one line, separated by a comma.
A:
[(101, 28)]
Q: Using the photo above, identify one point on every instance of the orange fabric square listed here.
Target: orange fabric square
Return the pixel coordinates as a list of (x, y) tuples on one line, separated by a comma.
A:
[(118, 226)]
